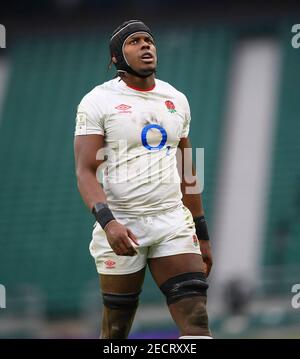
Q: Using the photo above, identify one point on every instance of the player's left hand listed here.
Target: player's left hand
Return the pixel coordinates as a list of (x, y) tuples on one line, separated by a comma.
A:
[(206, 255)]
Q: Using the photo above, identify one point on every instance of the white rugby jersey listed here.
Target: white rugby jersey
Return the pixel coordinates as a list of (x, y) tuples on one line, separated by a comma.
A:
[(142, 130)]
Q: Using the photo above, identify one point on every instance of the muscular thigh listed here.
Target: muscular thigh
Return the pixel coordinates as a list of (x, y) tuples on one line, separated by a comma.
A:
[(127, 283), (164, 268)]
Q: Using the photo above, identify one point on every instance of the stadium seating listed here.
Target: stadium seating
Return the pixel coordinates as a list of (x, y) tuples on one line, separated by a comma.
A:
[(282, 244)]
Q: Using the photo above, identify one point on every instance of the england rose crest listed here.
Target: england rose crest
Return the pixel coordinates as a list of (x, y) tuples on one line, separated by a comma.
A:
[(170, 106)]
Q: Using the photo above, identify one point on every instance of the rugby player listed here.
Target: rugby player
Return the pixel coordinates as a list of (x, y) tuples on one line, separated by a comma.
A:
[(144, 215)]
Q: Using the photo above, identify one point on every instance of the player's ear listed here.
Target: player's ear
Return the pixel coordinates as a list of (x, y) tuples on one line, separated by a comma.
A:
[(114, 60)]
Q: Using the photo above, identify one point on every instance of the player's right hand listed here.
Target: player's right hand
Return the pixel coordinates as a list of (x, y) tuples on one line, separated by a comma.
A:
[(119, 238)]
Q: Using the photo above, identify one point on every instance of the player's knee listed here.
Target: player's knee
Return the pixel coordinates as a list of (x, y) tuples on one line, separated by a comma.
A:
[(116, 331), (118, 314), (196, 317), (189, 290)]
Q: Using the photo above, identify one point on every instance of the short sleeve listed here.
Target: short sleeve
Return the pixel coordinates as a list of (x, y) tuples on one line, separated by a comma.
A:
[(187, 117), (89, 117)]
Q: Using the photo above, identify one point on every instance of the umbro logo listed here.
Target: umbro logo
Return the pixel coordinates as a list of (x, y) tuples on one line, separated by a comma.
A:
[(110, 264), (123, 108)]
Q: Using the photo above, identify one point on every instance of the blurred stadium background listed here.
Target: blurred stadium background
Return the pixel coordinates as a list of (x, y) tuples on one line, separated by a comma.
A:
[(236, 63)]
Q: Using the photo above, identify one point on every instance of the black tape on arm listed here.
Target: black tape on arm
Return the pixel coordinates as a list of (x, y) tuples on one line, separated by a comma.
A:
[(102, 214), (201, 228)]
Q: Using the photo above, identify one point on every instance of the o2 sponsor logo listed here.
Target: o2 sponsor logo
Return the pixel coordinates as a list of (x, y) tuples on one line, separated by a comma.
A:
[(164, 137)]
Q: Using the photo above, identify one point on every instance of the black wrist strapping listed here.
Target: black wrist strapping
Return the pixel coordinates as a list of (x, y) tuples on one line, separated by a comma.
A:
[(102, 214), (201, 228)]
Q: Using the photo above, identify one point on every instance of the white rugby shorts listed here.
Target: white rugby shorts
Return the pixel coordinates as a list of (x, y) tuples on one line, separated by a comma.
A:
[(163, 234)]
